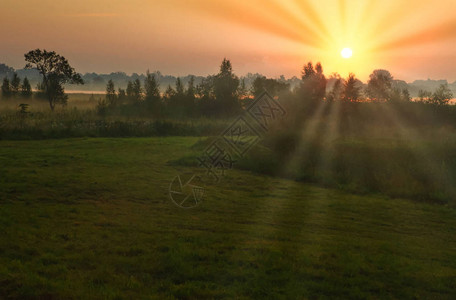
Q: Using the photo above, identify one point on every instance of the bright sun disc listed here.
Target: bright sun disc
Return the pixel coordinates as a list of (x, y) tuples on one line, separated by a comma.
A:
[(346, 53)]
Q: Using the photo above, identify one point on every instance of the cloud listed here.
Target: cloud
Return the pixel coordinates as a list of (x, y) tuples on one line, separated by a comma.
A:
[(92, 15)]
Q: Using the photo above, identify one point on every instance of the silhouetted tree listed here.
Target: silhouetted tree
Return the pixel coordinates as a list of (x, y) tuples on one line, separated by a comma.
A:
[(225, 88), (406, 95), (56, 71), (313, 85), (308, 71), (152, 94), (152, 91), (205, 90), (242, 90), (351, 89), (177, 99), (191, 88), (6, 88), (190, 97), (130, 92), (111, 97), (15, 85), (137, 90), (179, 88), (424, 96), (121, 96), (273, 86), (397, 95), (169, 95), (442, 95), (26, 89), (379, 86), (337, 89)]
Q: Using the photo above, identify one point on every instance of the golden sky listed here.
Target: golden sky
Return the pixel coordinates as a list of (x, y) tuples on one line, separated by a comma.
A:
[(413, 39)]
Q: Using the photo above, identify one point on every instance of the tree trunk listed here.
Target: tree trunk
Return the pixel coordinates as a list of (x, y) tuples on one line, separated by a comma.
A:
[(51, 104)]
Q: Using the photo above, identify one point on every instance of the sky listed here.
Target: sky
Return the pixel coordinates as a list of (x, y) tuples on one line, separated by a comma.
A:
[(412, 39)]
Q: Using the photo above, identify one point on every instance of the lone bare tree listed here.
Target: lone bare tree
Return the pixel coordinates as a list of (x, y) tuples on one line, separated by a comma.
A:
[(56, 71)]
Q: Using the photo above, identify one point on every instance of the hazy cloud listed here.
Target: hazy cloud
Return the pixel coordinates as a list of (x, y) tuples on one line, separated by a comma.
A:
[(92, 15)]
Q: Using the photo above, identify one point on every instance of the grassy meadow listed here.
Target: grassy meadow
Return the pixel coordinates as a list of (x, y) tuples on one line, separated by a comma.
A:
[(338, 202), (89, 218)]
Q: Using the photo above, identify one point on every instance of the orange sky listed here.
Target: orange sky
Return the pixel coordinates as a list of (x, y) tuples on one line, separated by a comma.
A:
[(413, 39)]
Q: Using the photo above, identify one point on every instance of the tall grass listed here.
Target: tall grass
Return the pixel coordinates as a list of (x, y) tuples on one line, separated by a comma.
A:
[(79, 118), (396, 150)]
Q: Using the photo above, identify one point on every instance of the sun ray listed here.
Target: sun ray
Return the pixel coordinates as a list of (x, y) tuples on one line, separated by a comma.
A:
[(269, 17), (429, 165), (307, 133), (287, 13), (309, 13), (332, 125), (343, 14), (442, 31)]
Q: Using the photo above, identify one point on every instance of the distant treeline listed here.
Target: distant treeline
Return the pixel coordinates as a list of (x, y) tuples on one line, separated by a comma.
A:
[(225, 94), (97, 82)]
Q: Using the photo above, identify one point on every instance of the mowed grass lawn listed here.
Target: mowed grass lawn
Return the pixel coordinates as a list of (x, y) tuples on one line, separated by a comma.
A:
[(91, 219)]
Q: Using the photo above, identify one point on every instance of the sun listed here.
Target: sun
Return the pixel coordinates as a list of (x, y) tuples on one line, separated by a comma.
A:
[(346, 53)]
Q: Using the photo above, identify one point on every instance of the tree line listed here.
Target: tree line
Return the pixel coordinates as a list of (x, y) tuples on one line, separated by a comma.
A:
[(225, 94), (16, 87), (216, 95), (222, 94)]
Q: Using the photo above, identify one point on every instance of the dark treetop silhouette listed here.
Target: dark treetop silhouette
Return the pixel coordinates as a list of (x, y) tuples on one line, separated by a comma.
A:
[(56, 71)]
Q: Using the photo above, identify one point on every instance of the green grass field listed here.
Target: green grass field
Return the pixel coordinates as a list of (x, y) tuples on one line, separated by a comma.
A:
[(91, 219)]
